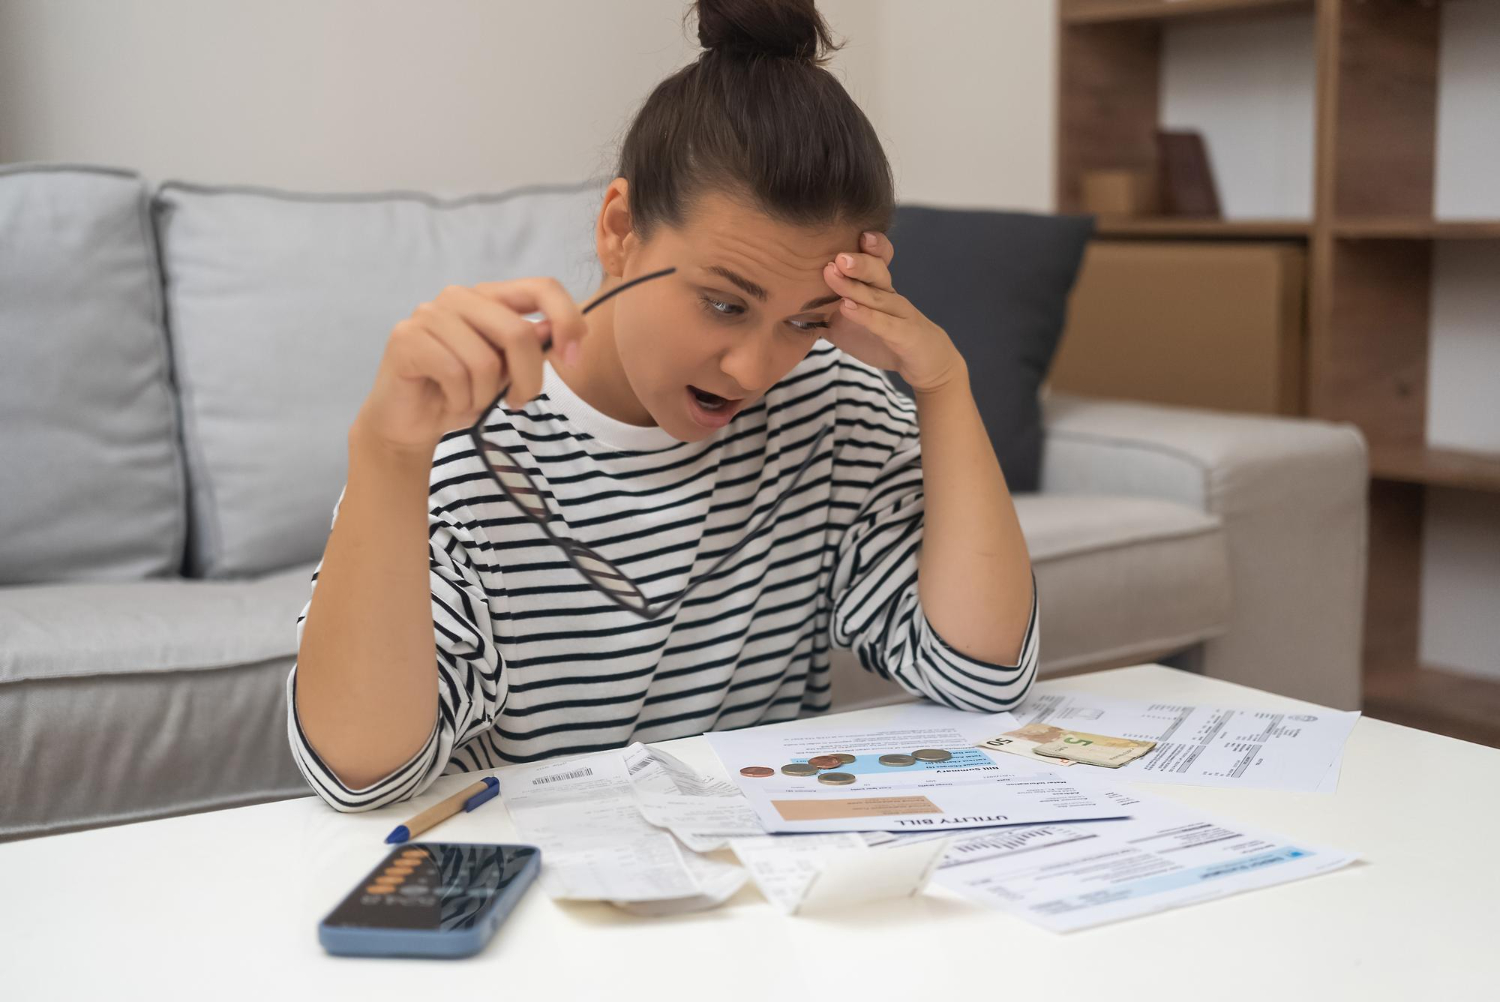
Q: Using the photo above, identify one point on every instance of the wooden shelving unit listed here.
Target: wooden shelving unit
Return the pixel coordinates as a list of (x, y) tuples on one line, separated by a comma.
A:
[(1370, 251), (1414, 228), (1120, 11), (1419, 464), (1209, 229)]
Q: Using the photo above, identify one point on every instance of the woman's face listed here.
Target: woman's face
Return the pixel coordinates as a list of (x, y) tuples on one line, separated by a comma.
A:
[(747, 303)]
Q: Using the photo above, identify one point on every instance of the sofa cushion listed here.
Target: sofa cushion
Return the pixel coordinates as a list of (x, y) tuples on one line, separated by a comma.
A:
[(92, 487), (280, 305), (121, 702), (1130, 578), (998, 283)]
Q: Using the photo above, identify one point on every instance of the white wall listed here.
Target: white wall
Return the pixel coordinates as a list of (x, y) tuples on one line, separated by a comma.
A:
[(965, 93), (1468, 124), (1249, 87), (1461, 530), (479, 95)]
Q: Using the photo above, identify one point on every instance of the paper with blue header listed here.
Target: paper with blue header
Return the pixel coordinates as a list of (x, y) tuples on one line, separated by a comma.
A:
[(893, 789)]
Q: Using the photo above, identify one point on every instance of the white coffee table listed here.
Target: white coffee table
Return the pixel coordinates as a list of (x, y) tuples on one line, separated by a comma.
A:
[(225, 905)]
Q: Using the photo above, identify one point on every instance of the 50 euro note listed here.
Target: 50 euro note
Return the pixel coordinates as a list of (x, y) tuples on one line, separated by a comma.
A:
[(1094, 749), (1024, 741), (1060, 746)]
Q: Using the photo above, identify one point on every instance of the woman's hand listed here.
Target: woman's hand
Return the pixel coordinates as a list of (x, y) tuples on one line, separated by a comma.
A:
[(445, 364), (882, 328)]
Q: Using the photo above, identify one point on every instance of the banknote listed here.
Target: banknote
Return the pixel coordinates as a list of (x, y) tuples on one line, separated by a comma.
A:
[(1024, 741), (1094, 749)]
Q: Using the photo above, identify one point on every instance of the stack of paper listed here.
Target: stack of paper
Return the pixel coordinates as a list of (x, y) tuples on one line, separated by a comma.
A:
[(920, 772), (634, 827), (831, 817)]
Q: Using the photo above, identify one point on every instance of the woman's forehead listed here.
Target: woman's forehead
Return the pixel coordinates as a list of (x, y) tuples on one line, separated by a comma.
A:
[(761, 258), (718, 221)]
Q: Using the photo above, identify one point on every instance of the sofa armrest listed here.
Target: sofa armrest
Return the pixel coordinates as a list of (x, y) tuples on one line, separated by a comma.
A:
[(1292, 494)]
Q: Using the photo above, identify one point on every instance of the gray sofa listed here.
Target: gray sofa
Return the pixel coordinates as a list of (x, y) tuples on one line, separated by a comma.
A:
[(182, 363)]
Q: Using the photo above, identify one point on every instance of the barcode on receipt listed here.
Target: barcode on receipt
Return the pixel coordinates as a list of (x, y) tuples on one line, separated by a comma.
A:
[(575, 774)]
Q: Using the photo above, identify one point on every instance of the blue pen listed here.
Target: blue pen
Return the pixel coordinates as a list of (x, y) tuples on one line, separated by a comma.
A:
[(464, 800)]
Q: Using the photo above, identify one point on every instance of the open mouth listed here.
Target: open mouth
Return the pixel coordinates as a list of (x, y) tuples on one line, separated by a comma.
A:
[(711, 402)]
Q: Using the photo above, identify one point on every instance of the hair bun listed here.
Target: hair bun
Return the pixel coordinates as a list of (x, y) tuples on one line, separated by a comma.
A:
[(791, 29)]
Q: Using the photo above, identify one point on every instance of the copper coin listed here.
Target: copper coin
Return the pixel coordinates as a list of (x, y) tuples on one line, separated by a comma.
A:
[(844, 758), (932, 755), (836, 778), (799, 769), (896, 759), (825, 761), (757, 771)]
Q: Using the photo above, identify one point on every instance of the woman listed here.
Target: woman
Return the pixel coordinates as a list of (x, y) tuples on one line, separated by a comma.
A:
[(691, 493)]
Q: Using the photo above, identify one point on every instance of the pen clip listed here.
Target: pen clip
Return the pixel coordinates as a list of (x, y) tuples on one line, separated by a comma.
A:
[(492, 788)]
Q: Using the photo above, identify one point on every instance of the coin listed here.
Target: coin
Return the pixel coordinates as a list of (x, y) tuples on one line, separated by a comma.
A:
[(825, 761), (836, 778), (931, 755), (757, 771), (895, 759), (844, 757), (799, 769)]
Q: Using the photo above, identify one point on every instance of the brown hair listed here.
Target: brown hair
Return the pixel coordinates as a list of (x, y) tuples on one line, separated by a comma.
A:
[(757, 118)]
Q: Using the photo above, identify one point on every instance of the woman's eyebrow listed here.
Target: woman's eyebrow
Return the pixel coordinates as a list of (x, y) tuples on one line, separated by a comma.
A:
[(761, 294)]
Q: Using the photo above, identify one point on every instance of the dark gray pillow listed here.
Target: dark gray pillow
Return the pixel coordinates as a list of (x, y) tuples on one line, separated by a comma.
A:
[(998, 283)]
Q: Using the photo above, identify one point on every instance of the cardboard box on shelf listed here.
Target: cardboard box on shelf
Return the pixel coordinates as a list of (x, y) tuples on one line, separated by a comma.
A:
[(1215, 324)]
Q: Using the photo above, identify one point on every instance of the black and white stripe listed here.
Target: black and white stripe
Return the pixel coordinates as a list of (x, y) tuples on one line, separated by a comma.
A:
[(532, 662)]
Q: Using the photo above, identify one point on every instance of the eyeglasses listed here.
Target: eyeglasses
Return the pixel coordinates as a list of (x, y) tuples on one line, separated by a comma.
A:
[(516, 484)]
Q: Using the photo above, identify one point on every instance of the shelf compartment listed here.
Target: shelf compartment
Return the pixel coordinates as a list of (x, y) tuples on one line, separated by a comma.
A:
[(1167, 226), (1116, 11), (1417, 228), (1416, 464), (1427, 697)]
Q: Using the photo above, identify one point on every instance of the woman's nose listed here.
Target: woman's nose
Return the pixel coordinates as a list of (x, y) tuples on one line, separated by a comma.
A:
[(751, 364)]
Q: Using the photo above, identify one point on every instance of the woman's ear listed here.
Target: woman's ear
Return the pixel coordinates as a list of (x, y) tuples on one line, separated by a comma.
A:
[(614, 235)]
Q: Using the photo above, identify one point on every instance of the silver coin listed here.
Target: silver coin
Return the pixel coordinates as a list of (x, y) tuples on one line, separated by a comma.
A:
[(836, 778), (931, 755), (844, 757), (799, 769), (896, 759)]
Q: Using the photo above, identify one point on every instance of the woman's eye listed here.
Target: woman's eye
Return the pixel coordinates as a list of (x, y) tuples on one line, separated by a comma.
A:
[(731, 310), (712, 305)]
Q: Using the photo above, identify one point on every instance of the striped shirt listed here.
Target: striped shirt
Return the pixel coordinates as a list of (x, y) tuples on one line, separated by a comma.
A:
[(533, 662)]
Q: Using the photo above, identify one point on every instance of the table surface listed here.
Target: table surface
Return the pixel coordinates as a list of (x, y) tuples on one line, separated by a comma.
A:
[(225, 904)]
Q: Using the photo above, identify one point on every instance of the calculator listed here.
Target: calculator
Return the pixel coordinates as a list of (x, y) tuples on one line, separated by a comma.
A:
[(431, 899)]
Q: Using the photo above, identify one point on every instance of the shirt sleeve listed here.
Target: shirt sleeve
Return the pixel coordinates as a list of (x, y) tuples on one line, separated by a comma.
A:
[(469, 676), (877, 611)]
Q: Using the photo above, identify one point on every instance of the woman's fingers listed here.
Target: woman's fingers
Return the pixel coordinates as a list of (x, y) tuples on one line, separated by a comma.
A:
[(865, 268), (544, 294), (424, 356), (513, 341), (523, 357), (878, 244), (864, 295), (484, 366)]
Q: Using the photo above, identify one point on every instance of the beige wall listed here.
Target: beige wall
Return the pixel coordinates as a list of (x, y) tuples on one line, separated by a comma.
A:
[(471, 95)]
